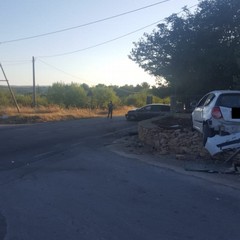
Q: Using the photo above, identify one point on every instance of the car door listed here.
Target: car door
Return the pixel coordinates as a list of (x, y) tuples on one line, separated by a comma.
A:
[(155, 111), (159, 110), (144, 113), (198, 112)]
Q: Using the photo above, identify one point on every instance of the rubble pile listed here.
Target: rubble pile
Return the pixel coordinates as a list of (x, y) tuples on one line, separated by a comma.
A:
[(176, 140), (174, 135)]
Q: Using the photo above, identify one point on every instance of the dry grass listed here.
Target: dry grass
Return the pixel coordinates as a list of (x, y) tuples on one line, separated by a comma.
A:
[(52, 113)]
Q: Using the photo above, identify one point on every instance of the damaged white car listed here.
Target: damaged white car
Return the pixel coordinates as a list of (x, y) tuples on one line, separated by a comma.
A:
[(218, 114)]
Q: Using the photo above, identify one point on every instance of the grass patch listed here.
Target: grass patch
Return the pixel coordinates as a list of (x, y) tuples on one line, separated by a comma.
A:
[(9, 115)]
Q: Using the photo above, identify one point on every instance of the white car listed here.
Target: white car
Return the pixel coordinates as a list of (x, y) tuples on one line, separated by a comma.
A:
[(217, 113)]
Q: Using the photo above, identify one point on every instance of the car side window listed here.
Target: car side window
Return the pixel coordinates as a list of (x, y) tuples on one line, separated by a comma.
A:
[(206, 100), (147, 108), (143, 109), (209, 99), (202, 101), (155, 108), (165, 108)]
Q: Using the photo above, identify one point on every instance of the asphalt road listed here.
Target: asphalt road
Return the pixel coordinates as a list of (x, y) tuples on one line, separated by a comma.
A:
[(61, 181)]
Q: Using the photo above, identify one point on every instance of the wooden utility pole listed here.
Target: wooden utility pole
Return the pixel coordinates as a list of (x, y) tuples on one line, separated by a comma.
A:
[(13, 97), (34, 86)]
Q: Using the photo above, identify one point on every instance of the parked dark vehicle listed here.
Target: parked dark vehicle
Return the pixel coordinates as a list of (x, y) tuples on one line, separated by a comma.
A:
[(148, 111)]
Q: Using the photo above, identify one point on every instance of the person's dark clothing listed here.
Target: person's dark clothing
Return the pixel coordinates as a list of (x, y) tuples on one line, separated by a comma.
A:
[(110, 109)]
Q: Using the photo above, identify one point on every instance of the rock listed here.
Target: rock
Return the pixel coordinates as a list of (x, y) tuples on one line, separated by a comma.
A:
[(178, 141)]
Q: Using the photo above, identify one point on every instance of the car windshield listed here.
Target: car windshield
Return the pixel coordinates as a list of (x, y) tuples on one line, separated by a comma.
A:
[(229, 100)]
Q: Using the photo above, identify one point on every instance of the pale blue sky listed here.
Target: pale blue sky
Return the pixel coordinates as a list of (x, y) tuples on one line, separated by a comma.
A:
[(107, 64)]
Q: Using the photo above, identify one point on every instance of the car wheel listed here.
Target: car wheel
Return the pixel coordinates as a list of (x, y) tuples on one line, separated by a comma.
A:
[(207, 132)]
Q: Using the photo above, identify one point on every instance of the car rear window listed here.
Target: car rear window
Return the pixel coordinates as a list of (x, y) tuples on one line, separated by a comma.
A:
[(229, 100)]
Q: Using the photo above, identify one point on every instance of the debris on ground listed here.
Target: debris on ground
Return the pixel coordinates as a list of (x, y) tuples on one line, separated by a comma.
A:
[(219, 144), (174, 135)]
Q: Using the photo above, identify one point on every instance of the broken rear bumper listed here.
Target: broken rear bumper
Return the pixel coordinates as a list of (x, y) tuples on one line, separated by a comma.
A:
[(218, 143)]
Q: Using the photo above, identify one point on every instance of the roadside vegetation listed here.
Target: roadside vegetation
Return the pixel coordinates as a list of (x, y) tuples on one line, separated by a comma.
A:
[(71, 101)]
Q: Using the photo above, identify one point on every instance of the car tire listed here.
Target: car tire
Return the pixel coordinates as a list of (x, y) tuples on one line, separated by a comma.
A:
[(207, 132)]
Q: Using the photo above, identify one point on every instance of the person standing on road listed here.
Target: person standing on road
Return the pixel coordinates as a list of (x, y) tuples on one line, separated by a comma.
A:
[(110, 109)]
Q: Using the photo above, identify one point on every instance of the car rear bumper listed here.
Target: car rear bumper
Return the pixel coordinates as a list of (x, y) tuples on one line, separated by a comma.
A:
[(218, 143)]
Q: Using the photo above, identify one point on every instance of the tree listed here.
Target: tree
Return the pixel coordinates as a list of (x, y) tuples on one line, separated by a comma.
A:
[(197, 52), (5, 98), (72, 95), (137, 99), (75, 96), (102, 95), (123, 91), (85, 87), (56, 94)]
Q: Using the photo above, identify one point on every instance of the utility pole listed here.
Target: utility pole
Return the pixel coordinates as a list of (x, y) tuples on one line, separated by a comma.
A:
[(13, 97), (34, 86)]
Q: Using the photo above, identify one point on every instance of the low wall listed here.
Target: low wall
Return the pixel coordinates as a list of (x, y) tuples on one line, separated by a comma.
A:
[(171, 140)]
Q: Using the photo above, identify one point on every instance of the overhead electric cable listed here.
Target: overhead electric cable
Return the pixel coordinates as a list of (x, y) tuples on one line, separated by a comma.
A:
[(82, 25), (99, 44), (111, 40), (60, 70), (15, 62)]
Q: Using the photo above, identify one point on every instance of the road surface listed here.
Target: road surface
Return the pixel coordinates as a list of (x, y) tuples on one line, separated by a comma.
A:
[(61, 181)]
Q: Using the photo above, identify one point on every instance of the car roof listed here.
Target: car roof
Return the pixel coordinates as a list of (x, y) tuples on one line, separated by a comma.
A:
[(218, 92), (157, 104)]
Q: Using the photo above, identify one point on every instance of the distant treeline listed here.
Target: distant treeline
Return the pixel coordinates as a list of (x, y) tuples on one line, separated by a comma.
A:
[(81, 95)]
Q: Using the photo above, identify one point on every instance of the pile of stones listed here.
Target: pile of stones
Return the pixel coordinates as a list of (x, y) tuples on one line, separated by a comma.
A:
[(174, 139)]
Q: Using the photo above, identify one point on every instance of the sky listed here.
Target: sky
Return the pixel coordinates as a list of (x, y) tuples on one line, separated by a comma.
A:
[(95, 48)]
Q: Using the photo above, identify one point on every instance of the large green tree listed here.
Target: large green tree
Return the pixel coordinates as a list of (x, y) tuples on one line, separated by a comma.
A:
[(67, 95), (195, 52), (101, 95)]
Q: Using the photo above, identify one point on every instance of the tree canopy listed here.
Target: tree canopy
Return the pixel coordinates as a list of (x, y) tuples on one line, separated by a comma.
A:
[(75, 95), (195, 52)]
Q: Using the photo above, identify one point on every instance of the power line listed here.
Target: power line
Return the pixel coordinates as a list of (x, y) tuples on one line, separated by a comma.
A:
[(93, 46), (111, 40), (60, 70), (83, 25), (100, 44), (16, 62)]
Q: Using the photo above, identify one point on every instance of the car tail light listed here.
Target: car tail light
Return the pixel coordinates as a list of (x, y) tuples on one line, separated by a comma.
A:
[(216, 113)]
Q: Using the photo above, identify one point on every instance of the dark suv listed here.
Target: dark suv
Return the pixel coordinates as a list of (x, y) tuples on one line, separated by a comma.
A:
[(148, 111)]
